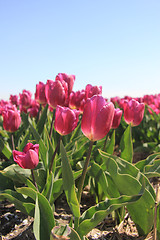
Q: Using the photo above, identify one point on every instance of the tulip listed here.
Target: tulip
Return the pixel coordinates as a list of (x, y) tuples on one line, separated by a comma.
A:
[(34, 109), (97, 118), (40, 96), (116, 118), (92, 90), (133, 112), (11, 119), (14, 100), (56, 93), (77, 100), (66, 120), (25, 99), (69, 79), (29, 158)]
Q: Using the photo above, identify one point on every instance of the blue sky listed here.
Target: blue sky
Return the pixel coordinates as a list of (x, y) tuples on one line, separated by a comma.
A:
[(113, 43)]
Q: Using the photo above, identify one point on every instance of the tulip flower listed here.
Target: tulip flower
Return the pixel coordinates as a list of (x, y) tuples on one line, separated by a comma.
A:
[(40, 96), (116, 118), (25, 99), (29, 158), (14, 100), (97, 118), (11, 119), (56, 93), (34, 109), (92, 90), (133, 112), (69, 79), (66, 120), (77, 100)]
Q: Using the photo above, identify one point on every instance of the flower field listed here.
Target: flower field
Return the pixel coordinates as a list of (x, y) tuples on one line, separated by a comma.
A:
[(59, 143)]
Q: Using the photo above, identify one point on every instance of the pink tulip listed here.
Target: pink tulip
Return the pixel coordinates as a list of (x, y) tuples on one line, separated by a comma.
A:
[(14, 100), (117, 118), (69, 79), (25, 99), (29, 158), (40, 96), (11, 119), (77, 100), (133, 112), (56, 93), (92, 90), (34, 109), (97, 118), (66, 120)]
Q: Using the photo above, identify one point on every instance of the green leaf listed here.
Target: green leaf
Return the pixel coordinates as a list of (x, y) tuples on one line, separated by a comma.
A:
[(98, 174), (110, 144), (68, 183), (21, 203), (129, 181), (94, 215), (126, 145), (5, 182), (42, 120), (11, 172), (36, 224), (5, 149), (46, 214)]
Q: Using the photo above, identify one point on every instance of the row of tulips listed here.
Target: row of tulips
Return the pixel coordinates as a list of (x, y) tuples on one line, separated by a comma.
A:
[(68, 139)]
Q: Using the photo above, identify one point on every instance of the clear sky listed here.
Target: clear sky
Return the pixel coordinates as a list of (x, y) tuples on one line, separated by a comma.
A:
[(112, 43)]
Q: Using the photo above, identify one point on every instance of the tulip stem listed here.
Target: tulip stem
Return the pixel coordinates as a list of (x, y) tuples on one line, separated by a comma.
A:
[(13, 145), (54, 154), (155, 213), (34, 181), (81, 182), (51, 129)]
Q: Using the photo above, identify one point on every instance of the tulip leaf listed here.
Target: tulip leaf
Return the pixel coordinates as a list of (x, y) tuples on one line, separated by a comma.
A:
[(47, 191), (42, 120), (36, 224), (94, 215), (46, 214), (126, 145), (12, 170), (5, 149), (110, 144), (98, 174), (129, 181), (19, 201), (5, 182), (68, 183), (150, 166)]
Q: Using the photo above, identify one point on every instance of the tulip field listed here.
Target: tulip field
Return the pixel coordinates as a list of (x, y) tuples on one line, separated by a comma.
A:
[(58, 143)]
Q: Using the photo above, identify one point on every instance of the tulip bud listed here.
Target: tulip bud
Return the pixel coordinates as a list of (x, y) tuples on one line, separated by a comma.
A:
[(29, 158), (133, 112), (40, 96), (66, 120), (25, 99), (69, 79), (92, 90), (97, 118), (117, 118), (56, 93), (11, 119)]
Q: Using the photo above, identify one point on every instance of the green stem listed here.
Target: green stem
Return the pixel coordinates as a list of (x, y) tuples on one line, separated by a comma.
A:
[(54, 154), (34, 181), (51, 129), (13, 145), (81, 182)]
